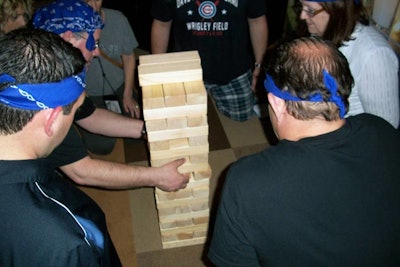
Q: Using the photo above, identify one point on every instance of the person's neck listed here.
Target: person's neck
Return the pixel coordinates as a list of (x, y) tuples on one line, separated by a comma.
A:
[(299, 129), (16, 147)]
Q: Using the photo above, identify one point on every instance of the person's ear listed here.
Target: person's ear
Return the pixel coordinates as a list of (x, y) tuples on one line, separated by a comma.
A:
[(67, 36), (54, 113), (278, 105)]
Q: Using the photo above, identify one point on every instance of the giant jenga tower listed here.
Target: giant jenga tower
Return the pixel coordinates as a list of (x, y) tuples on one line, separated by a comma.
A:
[(175, 114)]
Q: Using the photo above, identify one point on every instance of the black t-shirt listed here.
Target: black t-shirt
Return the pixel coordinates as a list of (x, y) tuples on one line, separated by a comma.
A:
[(44, 217), (329, 200), (72, 147), (217, 29)]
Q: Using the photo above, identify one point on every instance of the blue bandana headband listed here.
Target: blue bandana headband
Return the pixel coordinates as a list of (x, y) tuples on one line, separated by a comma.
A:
[(329, 82), (73, 15), (43, 95)]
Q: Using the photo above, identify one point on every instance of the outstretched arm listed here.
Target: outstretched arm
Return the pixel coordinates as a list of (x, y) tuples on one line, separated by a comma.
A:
[(108, 123), (112, 175)]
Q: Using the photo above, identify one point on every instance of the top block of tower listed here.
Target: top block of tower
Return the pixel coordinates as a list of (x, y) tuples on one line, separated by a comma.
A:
[(169, 68)]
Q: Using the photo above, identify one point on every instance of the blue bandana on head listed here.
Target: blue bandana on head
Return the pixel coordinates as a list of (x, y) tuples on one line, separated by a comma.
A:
[(42, 95), (329, 82), (73, 15)]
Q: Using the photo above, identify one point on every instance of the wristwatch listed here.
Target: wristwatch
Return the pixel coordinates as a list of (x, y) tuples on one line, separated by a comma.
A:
[(257, 65)]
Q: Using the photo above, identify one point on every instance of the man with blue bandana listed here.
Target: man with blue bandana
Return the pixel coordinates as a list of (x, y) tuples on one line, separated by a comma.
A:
[(46, 221), (77, 23), (328, 193)]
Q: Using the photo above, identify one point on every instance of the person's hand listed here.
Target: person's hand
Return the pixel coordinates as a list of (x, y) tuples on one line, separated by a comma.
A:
[(131, 107), (170, 178)]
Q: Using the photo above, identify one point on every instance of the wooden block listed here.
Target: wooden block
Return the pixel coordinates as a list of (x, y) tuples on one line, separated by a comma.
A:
[(158, 146), (199, 206), (194, 121), (204, 174), (177, 123), (160, 162), (153, 74), (201, 220), (166, 58), (174, 216), (165, 201), (173, 112), (174, 94), (153, 96), (191, 167), (181, 194), (156, 125), (182, 243), (167, 211), (199, 192), (178, 143), (200, 140), (195, 92), (179, 152), (199, 158), (176, 133)]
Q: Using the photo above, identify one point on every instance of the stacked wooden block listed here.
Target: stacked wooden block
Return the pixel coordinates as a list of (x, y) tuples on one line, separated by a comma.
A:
[(175, 113)]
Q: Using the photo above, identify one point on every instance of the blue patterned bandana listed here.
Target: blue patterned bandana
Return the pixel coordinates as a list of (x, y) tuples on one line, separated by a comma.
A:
[(73, 15), (329, 82), (42, 95)]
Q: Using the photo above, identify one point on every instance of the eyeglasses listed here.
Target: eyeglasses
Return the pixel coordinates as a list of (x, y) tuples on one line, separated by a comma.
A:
[(89, 47), (298, 8)]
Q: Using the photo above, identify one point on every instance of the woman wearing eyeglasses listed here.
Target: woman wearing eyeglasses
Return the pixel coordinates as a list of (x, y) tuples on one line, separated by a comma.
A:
[(373, 63)]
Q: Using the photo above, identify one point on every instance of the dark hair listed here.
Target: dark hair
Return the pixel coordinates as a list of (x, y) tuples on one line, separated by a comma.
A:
[(344, 15), (297, 66), (34, 56)]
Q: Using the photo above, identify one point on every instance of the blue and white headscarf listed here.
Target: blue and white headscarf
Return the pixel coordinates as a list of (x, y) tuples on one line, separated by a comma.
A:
[(329, 82), (42, 95), (73, 15)]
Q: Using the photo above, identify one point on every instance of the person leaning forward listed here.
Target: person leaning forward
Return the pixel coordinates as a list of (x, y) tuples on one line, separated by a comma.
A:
[(328, 194), (46, 221), (72, 156)]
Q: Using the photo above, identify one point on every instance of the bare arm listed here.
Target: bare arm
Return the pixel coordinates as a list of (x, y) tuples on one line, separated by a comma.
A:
[(259, 40), (160, 32), (112, 175), (112, 124), (130, 105)]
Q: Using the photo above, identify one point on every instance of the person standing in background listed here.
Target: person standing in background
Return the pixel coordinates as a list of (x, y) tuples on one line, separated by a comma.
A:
[(231, 37), (373, 63), (111, 76), (113, 72)]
